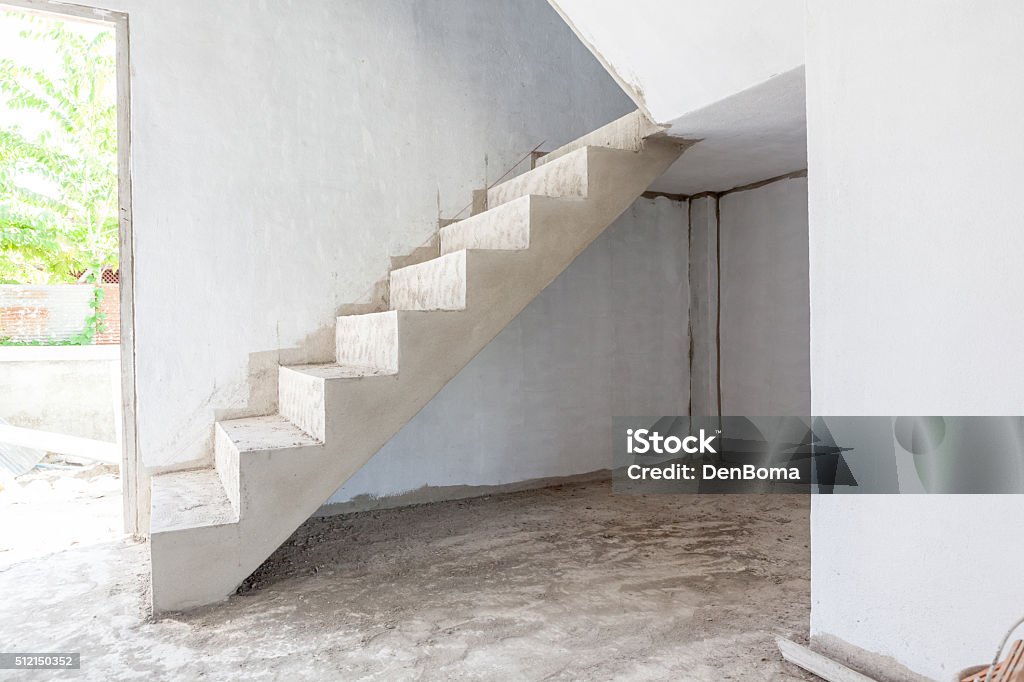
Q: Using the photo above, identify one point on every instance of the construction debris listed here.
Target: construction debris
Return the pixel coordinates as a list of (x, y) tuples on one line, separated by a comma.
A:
[(1010, 669), (822, 666), (61, 503), (16, 460)]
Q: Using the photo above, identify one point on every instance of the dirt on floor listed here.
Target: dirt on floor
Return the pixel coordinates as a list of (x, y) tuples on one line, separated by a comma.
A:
[(570, 582)]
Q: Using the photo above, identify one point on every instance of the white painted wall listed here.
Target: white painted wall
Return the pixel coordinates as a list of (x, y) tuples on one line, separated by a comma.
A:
[(764, 307), (608, 337), (675, 57), (284, 150), (916, 156)]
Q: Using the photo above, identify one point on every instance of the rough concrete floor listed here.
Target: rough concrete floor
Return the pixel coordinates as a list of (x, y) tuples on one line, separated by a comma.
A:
[(562, 583)]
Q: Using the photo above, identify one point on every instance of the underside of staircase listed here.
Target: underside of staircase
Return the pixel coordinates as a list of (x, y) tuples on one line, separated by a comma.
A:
[(211, 528)]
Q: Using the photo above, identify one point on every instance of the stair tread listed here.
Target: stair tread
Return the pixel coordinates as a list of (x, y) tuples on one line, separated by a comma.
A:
[(335, 371), (626, 133), (187, 499), (433, 262), (271, 432)]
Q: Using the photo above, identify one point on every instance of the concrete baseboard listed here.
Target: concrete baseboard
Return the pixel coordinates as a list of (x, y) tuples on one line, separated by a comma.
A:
[(428, 494)]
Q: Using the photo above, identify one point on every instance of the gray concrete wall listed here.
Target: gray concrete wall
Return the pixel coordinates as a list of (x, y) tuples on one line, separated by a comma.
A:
[(765, 337), (283, 152), (71, 390), (749, 309), (608, 337)]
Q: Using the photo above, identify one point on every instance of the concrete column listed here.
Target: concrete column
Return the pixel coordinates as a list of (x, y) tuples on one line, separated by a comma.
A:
[(704, 309)]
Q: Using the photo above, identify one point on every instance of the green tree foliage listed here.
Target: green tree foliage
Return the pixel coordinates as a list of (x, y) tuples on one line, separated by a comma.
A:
[(58, 188)]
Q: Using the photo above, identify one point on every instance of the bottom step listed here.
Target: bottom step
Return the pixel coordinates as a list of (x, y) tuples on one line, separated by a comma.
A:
[(187, 499)]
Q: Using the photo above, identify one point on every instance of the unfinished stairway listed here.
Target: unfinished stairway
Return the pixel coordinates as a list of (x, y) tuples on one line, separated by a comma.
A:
[(211, 528)]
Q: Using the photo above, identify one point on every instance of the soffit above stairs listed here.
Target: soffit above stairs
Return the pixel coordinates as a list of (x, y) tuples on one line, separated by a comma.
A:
[(727, 73)]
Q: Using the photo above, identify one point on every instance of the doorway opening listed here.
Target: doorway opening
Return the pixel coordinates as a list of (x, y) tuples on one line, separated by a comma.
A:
[(68, 456)]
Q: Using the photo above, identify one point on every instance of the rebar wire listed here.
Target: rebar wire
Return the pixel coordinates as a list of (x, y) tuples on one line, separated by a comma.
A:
[(371, 290), (512, 168)]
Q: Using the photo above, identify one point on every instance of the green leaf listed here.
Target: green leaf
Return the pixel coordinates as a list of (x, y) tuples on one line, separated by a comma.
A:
[(58, 189)]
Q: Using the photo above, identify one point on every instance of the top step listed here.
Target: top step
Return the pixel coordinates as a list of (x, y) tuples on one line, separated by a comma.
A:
[(627, 132)]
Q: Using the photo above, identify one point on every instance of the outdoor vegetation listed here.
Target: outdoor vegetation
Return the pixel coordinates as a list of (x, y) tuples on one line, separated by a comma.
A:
[(58, 160)]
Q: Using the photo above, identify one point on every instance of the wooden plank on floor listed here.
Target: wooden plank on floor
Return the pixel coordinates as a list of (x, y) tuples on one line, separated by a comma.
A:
[(88, 448), (822, 666)]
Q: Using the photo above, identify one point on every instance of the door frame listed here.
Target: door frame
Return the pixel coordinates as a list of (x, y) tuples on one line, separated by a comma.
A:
[(133, 481)]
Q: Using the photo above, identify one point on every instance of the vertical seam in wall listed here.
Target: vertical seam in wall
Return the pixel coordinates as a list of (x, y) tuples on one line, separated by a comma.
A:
[(717, 198), (689, 306), (718, 301)]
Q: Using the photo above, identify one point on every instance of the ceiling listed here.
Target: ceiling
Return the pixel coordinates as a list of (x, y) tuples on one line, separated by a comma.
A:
[(754, 135), (728, 73)]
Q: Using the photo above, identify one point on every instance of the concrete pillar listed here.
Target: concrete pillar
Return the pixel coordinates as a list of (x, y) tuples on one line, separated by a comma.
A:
[(704, 308)]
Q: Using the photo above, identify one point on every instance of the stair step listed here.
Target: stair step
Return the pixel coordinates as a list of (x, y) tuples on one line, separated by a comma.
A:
[(335, 371), (301, 392), (566, 176), (369, 340), (438, 284), (626, 133), (504, 227), (234, 437), (257, 434), (189, 499)]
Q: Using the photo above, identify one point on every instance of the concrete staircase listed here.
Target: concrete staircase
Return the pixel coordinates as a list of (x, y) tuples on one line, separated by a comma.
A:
[(213, 527)]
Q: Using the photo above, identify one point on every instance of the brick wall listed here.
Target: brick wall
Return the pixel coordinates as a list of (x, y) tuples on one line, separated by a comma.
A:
[(111, 305), (54, 312)]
